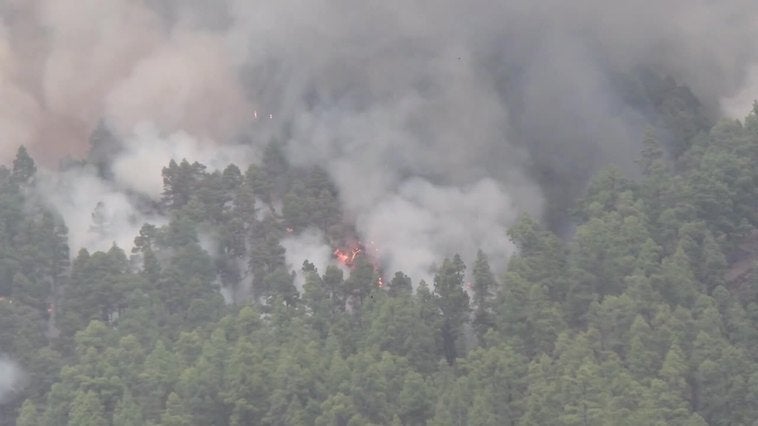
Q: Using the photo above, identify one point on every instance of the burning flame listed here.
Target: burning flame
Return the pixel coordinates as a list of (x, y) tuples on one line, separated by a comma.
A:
[(349, 256)]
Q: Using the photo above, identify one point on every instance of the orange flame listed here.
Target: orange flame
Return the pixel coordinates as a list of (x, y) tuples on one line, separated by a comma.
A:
[(342, 257), (348, 257)]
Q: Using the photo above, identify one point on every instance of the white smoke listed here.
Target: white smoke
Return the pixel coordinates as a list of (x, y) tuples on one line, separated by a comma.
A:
[(97, 213), (740, 103), (308, 245), (10, 376), (147, 152), (415, 227), (79, 193)]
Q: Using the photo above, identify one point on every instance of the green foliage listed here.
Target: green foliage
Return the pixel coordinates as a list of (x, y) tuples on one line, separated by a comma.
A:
[(87, 410), (483, 287), (180, 181), (127, 411), (453, 305), (28, 416), (635, 319), (311, 201)]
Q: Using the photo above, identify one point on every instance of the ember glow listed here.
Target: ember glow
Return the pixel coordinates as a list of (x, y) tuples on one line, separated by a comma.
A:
[(348, 256)]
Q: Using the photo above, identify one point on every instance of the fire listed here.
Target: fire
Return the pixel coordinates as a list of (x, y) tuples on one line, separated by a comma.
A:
[(342, 256), (349, 256)]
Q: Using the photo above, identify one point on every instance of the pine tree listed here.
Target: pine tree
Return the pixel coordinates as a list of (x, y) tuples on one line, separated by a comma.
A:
[(400, 285), (483, 287), (87, 410), (642, 361), (651, 162), (127, 412), (24, 168), (453, 303), (176, 413), (28, 416), (180, 182)]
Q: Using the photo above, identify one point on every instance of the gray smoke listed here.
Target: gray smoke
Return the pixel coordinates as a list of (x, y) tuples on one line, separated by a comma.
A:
[(439, 121)]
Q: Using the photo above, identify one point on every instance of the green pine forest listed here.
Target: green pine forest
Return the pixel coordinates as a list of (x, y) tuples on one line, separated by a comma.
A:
[(646, 315)]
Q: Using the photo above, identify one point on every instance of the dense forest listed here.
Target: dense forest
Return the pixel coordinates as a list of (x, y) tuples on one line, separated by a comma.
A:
[(646, 315)]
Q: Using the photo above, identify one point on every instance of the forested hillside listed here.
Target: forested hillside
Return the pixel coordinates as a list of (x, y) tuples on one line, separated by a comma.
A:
[(630, 321)]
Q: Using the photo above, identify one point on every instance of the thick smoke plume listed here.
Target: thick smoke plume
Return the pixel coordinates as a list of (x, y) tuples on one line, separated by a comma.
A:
[(439, 121), (67, 64)]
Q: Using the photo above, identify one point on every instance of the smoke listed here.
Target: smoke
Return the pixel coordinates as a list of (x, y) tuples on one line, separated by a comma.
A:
[(417, 108), (100, 213), (70, 63), (186, 83), (10, 376), (439, 121), (737, 105), (422, 220), (146, 152), (97, 213), (308, 245)]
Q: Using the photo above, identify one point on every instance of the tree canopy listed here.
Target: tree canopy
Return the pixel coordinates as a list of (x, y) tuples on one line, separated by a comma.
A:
[(643, 315)]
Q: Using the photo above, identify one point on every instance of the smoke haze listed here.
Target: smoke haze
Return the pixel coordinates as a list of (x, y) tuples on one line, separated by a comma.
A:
[(9, 377), (439, 121)]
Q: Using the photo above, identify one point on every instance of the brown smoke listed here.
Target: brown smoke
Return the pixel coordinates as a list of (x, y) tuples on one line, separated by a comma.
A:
[(67, 64)]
